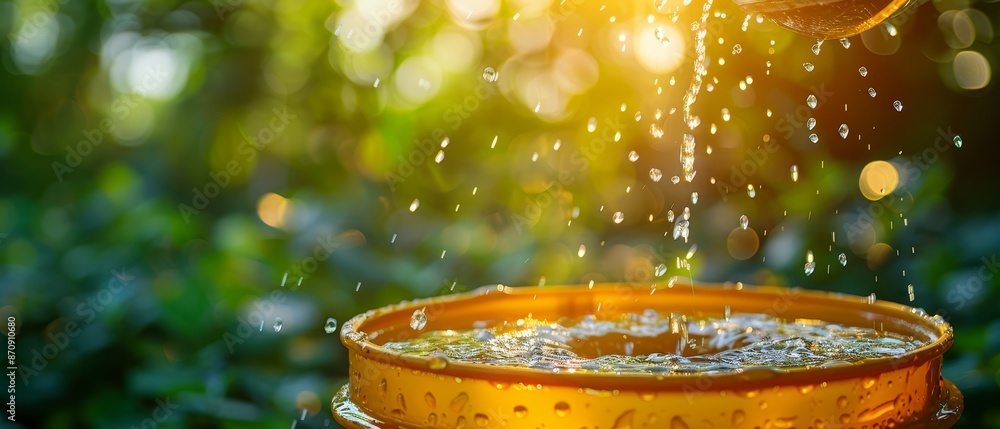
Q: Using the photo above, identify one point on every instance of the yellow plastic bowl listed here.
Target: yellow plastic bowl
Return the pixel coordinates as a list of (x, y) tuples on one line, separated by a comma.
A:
[(390, 390)]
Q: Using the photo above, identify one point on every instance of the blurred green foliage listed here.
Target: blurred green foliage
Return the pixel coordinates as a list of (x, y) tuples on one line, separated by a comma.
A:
[(168, 165)]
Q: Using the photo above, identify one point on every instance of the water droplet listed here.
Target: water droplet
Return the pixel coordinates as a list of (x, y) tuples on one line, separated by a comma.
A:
[(401, 402), (655, 131), (618, 217), (330, 326), (490, 75), (459, 402), (562, 409), (675, 180), (863, 71), (909, 290), (633, 156), (694, 198), (737, 49), (437, 361), (661, 36), (418, 320), (481, 420), (744, 221), (625, 421), (958, 141), (659, 4), (739, 416), (872, 298), (811, 101), (582, 251), (810, 267), (808, 66), (845, 42), (430, 400), (843, 130), (890, 29), (278, 324), (670, 215), (638, 116), (520, 411), (678, 423), (660, 270), (725, 114), (751, 191), (811, 123), (816, 47), (439, 157), (843, 259), (414, 205), (842, 402), (795, 173), (655, 174), (897, 105), (814, 138), (591, 125), (383, 387)]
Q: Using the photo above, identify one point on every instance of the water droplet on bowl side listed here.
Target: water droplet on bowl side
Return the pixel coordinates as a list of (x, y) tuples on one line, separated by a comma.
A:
[(418, 320)]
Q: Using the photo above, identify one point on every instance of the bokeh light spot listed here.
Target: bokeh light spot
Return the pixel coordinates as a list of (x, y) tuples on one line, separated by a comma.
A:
[(878, 179), (272, 209), (972, 70)]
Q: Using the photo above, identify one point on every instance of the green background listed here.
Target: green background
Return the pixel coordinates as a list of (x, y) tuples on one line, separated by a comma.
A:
[(125, 301)]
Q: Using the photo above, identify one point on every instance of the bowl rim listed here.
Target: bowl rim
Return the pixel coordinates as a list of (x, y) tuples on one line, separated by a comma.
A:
[(357, 341)]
